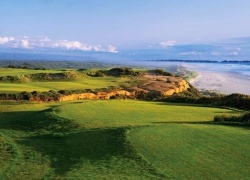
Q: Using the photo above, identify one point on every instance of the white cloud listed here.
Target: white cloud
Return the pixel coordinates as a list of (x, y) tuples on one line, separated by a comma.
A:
[(193, 53), (215, 53), (45, 39), (167, 43), (99, 48), (234, 53), (5, 40), (232, 48), (84, 47), (73, 45), (45, 42), (112, 49), (25, 43)]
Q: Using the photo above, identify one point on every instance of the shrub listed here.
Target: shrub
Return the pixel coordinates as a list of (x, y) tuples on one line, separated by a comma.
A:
[(245, 118), (99, 74), (161, 72), (65, 92), (122, 72), (25, 95), (53, 92), (5, 96)]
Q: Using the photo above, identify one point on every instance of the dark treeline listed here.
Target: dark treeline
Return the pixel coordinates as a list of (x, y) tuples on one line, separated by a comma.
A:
[(35, 95), (52, 64), (238, 101)]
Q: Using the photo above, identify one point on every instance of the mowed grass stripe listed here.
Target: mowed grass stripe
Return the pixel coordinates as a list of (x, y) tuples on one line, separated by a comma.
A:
[(195, 151), (116, 113)]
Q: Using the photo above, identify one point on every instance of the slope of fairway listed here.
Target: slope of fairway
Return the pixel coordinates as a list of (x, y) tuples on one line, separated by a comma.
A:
[(116, 113), (16, 72), (195, 151), (91, 140), (83, 83), (35, 145)]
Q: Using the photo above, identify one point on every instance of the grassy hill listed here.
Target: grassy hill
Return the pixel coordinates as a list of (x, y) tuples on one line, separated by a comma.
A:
[(119, 139), (18, 80)]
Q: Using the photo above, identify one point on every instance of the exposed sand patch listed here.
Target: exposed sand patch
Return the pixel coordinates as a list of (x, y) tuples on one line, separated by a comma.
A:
[(225, 83)]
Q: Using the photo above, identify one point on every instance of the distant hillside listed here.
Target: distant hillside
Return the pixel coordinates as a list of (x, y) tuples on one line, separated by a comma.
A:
[(48, 64)]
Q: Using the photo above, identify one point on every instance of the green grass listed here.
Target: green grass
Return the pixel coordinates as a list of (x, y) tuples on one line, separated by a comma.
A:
[(195, 151), (83, 83), (79, 81), (114, 113), (16, 72), (7, 151), (118, 140), (53, 148)]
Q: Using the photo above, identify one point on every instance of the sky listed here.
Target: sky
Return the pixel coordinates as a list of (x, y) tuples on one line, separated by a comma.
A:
[(116, 25)]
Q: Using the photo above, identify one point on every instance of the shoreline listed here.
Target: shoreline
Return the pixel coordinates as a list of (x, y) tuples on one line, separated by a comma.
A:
[(222, 82)]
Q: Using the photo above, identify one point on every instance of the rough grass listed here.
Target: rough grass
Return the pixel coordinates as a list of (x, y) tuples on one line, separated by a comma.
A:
[(7, 153), (92, 140), (229, 118)]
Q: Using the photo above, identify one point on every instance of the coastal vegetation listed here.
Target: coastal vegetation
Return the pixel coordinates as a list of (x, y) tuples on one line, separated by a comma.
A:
[(59, 124), (50, 85), (144, 83), (243, 118)]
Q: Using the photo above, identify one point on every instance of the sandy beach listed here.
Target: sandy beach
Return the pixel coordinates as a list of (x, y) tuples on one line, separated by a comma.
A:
[(223, 82)]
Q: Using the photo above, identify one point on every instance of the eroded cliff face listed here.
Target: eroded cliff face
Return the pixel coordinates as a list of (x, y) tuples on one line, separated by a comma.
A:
[(153, 86), (179, 87), (161, 86), (99, 95)]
